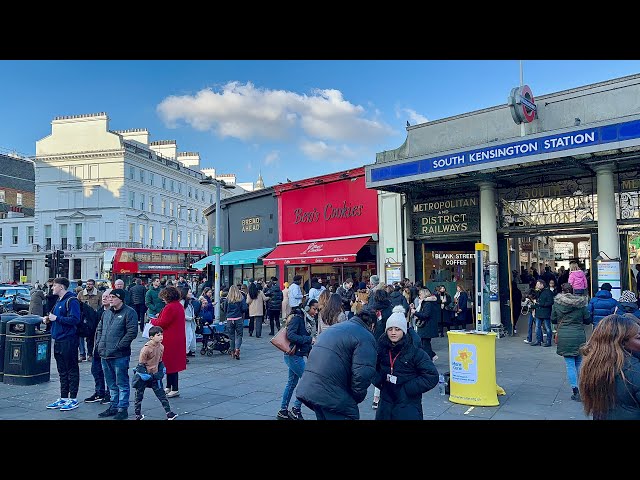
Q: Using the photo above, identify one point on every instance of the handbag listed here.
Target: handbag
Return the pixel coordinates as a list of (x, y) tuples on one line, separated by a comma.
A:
[(282, 343), (145, 332)]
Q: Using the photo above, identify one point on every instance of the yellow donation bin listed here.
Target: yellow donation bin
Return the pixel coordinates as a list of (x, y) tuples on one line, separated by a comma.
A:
[(472, 367)]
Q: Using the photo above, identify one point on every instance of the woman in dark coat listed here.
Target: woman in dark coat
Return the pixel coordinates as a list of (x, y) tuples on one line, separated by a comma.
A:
[(461, 298), (381, 304), (571, 314), (610, 378), (403, 373), (36, 304), (427, 315), (516, 303), (444, 301), (173, 323)]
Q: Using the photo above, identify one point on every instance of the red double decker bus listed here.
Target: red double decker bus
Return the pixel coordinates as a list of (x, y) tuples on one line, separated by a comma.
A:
[(148, 263)]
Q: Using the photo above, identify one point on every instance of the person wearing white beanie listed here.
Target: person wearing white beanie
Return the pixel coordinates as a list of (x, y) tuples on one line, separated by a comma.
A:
[(404, 371)]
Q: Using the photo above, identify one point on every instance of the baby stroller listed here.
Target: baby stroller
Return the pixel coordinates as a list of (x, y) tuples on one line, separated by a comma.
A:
[(214, 341)]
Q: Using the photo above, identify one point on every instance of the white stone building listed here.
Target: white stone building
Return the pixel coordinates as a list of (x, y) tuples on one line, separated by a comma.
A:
[(96, 188)]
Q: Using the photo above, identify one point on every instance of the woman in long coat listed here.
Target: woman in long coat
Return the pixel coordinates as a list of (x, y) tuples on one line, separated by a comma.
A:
[(172, 320), (571, 314), (427, 316), (36, 304)]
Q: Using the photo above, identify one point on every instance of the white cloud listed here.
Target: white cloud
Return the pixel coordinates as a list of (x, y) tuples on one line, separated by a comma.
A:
[(412, 116), (319, 150), (248, 113), (273, 158)]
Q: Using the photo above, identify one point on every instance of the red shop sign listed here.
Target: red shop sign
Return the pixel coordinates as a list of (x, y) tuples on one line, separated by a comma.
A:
[(336, 209)]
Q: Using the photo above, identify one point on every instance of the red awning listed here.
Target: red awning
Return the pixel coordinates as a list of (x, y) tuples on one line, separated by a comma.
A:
[(320, 251)]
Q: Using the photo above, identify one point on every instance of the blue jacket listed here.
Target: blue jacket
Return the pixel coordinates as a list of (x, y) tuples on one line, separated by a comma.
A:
[(628, 307), (206, 312), (340, 368), (297, 333), (66, 321), (237, 309), (601, 305)]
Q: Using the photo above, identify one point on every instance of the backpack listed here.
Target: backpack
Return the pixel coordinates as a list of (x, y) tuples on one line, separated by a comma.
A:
[(88, 324)]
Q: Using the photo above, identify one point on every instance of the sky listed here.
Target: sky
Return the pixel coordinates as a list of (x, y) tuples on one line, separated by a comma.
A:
[(285, 119)]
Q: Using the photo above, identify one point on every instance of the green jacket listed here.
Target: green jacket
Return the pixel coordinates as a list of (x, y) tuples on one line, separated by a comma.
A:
[(153, 302), (570, 311)]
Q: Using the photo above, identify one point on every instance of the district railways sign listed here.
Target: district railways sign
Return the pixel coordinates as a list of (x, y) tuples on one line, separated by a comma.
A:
[(446, 216)]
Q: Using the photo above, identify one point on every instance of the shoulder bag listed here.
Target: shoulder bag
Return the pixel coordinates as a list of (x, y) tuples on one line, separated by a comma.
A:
[(282, 343)]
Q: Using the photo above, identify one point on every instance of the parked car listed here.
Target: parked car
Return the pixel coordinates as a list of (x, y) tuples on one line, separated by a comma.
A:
[(14, 297)]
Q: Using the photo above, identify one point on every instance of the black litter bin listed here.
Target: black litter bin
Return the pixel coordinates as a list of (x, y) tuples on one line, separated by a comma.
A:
[(4, 318), (27, 355)]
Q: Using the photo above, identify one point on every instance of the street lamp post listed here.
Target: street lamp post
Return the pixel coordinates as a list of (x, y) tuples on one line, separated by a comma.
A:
[(219, 183)]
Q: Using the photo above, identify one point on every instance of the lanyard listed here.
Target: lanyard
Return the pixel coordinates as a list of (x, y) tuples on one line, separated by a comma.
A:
[(392, 360)]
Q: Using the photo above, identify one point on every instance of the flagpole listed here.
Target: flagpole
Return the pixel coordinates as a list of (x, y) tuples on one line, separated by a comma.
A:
[(522, 132)]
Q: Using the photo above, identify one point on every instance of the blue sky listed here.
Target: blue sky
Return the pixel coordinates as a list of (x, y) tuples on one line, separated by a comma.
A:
[(287, 119)]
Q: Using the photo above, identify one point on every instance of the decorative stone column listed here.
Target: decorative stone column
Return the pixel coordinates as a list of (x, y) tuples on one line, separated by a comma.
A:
[(489, 235), (608, 238)]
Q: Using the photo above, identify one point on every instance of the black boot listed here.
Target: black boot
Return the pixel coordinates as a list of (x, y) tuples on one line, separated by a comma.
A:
[(576, 394)]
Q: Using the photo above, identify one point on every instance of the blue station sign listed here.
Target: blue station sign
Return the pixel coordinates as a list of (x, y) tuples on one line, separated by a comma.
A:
[(528, 147)]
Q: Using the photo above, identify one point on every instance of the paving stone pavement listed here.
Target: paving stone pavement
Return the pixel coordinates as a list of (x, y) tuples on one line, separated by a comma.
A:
[(221, 388)]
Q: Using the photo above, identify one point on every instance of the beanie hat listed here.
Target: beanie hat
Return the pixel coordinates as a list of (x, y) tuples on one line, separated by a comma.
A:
[(397, 319), (606, 286), (375, 279), (119, 292), (628, 297)]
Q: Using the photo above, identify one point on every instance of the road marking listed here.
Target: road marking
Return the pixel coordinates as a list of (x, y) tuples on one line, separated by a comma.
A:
[(468, 410)]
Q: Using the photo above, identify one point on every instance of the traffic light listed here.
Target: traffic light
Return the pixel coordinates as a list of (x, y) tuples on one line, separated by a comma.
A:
[(48, 260), (59, 258)]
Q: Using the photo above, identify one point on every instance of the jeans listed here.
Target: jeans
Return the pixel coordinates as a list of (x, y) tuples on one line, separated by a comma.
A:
[(296, 369), (547, 326), (257, 321), (116, 373), (274, 316), (156, 386), (65, 351), (530, 328), (81, 346), (573, 369), (234, 330), (98, 375)]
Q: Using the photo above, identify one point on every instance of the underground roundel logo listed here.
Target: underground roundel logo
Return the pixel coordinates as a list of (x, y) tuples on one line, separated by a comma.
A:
[(522, 105)]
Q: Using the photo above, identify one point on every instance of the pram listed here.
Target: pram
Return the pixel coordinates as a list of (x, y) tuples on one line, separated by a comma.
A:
[(215, 341)]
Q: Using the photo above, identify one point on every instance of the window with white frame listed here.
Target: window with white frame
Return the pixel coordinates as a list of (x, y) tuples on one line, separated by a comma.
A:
[(171, 185), (164, 206), (93, 172), (47, 237), (171, 238), (132, 228), (64, 240), (18, 199), (151, 178), (132, 172), (78, 227), (151, 201), (132, 199), (151, 235), (141, 176), (30, 234), (171, 209), (189, 239), (164, 235), (189, 192), (141, 233), (78, 172), (142, 201), (179, 238), (179, 187), (164, 183), (211, 198), (14, 235)]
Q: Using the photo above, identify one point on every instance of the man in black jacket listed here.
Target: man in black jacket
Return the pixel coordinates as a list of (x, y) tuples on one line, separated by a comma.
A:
[(542, 306), (138, 292), (274, 305), (340, 368), (117, 328)]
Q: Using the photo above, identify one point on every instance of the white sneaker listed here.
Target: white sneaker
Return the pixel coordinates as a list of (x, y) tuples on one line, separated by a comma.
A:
[(526, 341), (435, 357), (173, 393), (167, 390)]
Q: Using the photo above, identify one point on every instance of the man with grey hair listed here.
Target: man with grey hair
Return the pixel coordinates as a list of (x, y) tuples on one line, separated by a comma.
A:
[(375, 284)]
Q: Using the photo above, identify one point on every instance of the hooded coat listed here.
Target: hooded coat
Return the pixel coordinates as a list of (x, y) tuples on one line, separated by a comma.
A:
[(415, 374), (571, 314), (36, 304), (601, 305), (428, 311)]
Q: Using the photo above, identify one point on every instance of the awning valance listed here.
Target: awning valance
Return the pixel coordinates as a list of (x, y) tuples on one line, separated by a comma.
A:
[(319, 251)]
